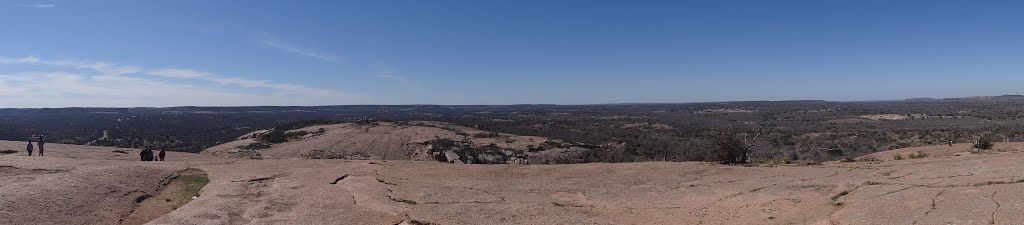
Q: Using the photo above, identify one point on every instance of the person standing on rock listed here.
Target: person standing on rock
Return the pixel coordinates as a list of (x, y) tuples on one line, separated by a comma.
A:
[(162, 154), (147, 154), (29, 148), (40, 145)]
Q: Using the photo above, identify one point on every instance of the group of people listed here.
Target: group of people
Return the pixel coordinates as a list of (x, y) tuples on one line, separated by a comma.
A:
[(29, 148), (147, 154)]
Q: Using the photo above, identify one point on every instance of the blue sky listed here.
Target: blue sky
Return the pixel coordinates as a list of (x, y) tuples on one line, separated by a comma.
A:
[(227, 53)]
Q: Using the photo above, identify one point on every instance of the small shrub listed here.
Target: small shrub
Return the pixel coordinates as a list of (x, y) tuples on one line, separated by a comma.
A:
[(868, 159), (897, 157), (810, 163), (835, 152), (255, 146), (295, 134), (486, 135), (731, 149), (549, 144), (274, 136), (984, 143), (367, 122), (918, 155), (325, 154), (8, 151), (442, 144)]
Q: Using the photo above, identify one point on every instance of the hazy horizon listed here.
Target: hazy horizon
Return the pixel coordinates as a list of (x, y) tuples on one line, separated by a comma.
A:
[(314, 53), (612, 103)]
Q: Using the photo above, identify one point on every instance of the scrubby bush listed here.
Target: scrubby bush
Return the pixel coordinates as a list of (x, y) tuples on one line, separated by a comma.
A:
[(296, 134), (897, 157), (326, 154), (486, 135), (868, 159), (984, 143), (441, 144), (732, 149), (274, 136), (367, 122), (255, 146), (918, 155), (835, 152)]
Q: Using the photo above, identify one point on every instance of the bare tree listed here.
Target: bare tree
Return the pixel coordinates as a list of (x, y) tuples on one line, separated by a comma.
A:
[(735, 147)]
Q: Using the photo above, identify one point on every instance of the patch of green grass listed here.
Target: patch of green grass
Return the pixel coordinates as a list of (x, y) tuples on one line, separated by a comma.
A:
[(194, 183), (190, 186), (840, 195)]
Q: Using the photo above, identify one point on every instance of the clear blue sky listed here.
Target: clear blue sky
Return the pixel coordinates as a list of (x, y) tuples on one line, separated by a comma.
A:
[(169, 53)]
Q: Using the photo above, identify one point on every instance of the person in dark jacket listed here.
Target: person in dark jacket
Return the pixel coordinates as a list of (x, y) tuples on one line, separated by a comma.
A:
[(162, 154), (149, 153), (29, 148), (40, 145), (142, 155)]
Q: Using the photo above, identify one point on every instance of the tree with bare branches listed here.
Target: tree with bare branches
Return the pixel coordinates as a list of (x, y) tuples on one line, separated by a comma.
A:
[(735, 147)]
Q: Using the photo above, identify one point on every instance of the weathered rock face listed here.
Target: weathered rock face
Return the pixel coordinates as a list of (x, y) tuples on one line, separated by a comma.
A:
[(93, 185), (419, 140), (466, 152), (451, 156)]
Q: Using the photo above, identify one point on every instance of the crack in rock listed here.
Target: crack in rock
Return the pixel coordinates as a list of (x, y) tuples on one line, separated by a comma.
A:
[(339, 179), (992, 217)]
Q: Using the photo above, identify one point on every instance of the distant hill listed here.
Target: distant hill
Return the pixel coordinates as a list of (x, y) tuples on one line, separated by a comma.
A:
[(415, 140), (993, 99)]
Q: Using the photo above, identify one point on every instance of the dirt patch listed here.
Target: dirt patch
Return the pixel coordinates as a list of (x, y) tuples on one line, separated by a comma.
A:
[(11, 175), (15, 171), (181, 189)]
